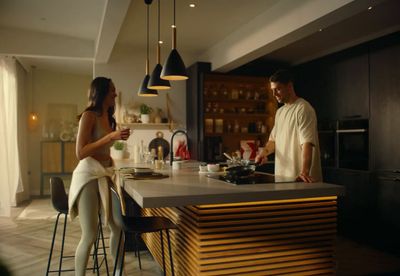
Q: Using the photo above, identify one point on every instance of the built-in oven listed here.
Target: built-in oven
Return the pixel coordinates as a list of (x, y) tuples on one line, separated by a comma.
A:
[(352, 145)]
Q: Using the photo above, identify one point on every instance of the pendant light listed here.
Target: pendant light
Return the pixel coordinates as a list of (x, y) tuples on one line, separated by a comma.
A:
[(144, 91), (174, 68), (155, 81)]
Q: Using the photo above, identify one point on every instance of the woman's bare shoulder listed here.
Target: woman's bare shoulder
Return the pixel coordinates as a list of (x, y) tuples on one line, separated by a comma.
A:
[(89, 116)]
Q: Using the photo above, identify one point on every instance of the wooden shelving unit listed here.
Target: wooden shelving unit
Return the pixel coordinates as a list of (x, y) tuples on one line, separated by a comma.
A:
[(236, 108), (148, 125), (216, 102)]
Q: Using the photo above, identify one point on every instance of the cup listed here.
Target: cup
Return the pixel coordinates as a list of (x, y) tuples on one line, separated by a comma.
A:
[(213, 167), (176, 165), (203, 168)]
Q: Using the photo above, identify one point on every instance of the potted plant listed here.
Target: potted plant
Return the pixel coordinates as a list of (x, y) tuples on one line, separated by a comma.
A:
[(145, 111), (119, 149)]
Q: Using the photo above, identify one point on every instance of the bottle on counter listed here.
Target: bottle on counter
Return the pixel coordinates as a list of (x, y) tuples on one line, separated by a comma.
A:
[(160, 155)]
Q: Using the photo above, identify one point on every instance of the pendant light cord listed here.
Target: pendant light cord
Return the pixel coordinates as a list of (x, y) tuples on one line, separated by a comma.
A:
[(158, 22), (174, 14), (158, 38), (148, 30)]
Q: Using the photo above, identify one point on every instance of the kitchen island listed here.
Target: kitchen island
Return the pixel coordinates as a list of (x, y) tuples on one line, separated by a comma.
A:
[(226, 229)]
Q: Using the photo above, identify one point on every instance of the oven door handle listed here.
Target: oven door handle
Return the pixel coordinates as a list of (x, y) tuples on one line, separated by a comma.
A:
[(357, 130)]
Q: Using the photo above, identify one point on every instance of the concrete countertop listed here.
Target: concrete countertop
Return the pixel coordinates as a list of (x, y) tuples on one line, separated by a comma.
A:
[(188, 187)]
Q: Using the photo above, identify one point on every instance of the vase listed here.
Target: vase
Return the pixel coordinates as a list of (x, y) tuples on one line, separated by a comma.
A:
[(145, 118)]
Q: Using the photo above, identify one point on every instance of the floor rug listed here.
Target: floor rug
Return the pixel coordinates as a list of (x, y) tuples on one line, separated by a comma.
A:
[(38, 209)]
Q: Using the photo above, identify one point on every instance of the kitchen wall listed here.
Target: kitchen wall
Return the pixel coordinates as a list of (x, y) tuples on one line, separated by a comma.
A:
[(57, 89), (50, 88), (126, 68)]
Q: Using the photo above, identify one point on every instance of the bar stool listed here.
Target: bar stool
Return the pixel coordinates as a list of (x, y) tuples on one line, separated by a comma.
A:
[(137, 226), (59, 200)]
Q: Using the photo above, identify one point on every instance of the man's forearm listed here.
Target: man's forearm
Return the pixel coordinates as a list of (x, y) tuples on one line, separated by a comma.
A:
[(269, 148), (307, 150)]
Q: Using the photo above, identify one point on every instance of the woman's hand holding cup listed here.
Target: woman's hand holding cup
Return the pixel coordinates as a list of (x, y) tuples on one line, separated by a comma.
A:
[(125, 133)]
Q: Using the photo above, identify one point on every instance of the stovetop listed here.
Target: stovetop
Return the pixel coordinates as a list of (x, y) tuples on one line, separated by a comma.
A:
[(256, 178)]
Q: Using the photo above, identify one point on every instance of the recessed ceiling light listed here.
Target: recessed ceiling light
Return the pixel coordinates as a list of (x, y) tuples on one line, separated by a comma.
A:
[(320, 30), (370, 8), (192, 5)]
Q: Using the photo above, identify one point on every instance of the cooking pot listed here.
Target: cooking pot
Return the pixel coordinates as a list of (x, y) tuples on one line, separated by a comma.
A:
[(240, 171)]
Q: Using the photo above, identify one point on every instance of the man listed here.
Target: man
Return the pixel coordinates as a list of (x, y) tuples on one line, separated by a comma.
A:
[(294, 137)]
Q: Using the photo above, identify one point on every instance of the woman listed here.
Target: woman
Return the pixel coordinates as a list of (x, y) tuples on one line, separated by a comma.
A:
[(89, 191)]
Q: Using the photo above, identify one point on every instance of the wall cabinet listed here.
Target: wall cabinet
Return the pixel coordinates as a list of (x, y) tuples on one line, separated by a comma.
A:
[(384, 126), (352, 83), (338, 85), (57, 159), (385, 104), (228, 109)]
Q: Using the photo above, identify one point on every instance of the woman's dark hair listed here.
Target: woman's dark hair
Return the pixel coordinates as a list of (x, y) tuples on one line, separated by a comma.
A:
[(282, 76), (98, 91)]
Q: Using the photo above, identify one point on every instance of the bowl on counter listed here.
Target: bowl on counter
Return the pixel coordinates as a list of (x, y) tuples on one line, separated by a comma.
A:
[(213, 167)]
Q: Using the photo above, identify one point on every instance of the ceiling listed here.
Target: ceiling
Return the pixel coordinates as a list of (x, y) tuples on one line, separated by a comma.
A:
[(71, 35)]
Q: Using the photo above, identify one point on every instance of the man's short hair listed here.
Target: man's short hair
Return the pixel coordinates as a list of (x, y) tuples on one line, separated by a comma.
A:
[(282, 76)]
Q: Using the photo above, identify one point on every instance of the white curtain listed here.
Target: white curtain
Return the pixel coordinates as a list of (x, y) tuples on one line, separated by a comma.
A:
[(10, 172)]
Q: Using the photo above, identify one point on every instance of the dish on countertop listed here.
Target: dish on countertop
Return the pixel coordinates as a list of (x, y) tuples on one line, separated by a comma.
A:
[(136, 170)]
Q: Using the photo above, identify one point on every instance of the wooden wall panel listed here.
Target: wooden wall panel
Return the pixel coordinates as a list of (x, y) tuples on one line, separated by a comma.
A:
[(284, 237)]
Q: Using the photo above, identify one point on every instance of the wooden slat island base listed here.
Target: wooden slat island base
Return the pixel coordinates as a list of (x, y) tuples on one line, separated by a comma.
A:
[(274, 237), (223, 229)]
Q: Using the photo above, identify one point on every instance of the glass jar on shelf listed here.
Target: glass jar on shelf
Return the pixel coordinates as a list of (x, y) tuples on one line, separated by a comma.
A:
[(236, 127), (235, 94), (223, 91)]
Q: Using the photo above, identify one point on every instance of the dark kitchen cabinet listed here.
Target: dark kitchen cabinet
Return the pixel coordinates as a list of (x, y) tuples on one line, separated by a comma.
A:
[(388, 198), (359, 201), (351, 83), (385, 130), (337, 85), (385, 104), (315, 82)]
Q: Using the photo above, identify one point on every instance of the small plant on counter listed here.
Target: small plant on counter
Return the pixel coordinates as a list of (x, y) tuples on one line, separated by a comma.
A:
[(145, 109), (118, 145)]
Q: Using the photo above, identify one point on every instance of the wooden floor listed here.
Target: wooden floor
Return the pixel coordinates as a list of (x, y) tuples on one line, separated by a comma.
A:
[(24, 247), (25, 244)]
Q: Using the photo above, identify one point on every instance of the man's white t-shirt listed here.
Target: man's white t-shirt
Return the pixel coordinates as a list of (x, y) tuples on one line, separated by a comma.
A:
[(295, 124)]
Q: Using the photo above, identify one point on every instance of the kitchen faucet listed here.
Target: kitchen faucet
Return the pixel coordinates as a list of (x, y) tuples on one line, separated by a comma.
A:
[(171, 154)]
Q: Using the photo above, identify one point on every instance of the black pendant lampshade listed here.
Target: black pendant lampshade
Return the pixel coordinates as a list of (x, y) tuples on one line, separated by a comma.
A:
[(144, 91), (155, 81), (174, 68)]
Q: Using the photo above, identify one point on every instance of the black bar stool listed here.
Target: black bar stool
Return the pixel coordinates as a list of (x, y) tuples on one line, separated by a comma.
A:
[(59, 200), (137, 226)]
